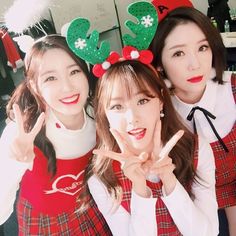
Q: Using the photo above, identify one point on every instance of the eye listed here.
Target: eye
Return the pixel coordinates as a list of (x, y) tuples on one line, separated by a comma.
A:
[(50, 78), (76, 71), (115, 107), (178, 54), (203, 48), (143, 101)]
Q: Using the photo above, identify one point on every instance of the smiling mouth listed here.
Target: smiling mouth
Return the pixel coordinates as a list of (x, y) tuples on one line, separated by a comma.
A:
[(195, 79), (137, 133), (74, 99)]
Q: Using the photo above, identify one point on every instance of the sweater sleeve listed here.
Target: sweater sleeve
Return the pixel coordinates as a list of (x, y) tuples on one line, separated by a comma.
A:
[(141, 221), (198, 216), (11, 172)]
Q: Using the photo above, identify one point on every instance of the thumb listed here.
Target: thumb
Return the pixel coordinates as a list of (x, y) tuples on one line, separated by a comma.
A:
[(143, 156)]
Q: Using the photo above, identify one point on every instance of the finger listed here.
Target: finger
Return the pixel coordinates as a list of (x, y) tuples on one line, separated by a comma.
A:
[(163, 170), (112, 155), (162, 162), (170, 144), (143, 156), (119, 139), (18, 118), (157, 140), (38, 125), (122, 142)]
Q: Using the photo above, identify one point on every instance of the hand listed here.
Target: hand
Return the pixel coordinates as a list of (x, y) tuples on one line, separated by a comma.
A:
[(22, 148), (131, 164), (163, 167)]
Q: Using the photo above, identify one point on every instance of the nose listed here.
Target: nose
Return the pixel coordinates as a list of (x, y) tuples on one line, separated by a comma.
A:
[(194, 62), (131, 116), (66, 84)]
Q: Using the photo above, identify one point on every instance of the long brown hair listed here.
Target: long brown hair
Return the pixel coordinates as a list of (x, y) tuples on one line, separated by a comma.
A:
[(183, 15), (30, 102), (134, 73)]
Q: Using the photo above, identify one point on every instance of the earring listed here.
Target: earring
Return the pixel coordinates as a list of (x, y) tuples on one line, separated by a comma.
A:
[(162, 114), (168, 83)]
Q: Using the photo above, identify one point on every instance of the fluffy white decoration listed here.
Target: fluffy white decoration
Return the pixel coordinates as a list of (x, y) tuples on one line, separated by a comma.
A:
[(106, 65), (25, 42), (25, 13)]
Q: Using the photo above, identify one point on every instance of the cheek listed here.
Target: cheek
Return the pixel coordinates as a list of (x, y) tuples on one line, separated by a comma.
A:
[(47, 95), (115, 121)]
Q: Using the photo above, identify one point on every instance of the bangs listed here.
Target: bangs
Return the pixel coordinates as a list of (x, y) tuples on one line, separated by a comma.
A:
[(128, 79)]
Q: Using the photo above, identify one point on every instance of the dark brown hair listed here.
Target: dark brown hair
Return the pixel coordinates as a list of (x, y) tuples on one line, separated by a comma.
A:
[(30, 102), (134, 73), (183, 15)]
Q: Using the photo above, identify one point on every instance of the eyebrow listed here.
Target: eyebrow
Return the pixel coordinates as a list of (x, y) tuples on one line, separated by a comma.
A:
[(52, 71), (182, 45), (121, 98)]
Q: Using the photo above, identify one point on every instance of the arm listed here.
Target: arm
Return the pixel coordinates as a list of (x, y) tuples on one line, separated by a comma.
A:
[(198, 216), (141, 221), (11, 172)]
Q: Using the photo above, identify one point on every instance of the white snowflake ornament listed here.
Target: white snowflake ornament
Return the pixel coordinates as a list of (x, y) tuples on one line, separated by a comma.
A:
[(80, 43), (147, 21)]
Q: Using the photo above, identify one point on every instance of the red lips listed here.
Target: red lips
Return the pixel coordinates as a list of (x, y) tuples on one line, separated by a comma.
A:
[(70, 100), (137, 133), (195, 79)]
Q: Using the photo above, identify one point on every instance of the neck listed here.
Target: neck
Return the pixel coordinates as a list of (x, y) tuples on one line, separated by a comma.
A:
[(72, 122), (189, 97)]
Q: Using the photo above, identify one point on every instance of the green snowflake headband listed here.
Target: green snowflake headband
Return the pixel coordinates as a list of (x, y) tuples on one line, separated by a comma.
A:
[(86, 46)]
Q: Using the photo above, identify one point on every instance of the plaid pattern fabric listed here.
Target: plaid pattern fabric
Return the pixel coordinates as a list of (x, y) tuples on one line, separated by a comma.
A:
[(226, 164), (165, 223), (71, 223)]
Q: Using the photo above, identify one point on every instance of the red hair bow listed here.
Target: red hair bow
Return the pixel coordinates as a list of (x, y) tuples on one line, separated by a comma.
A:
[(100, 69), (131, 53)]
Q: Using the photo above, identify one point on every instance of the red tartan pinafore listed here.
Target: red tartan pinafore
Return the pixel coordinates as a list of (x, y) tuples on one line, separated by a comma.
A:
[(48, 206), (226, 164), (165, 223)]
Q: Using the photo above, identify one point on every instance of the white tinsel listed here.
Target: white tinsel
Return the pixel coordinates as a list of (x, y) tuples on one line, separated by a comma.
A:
[(25, 13)]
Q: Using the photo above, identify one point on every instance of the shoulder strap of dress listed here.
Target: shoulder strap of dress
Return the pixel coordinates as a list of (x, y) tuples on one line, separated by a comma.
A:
[(233, 85)]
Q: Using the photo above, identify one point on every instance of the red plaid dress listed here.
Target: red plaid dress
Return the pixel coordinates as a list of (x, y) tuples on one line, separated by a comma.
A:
[(49, 206), (165, 223), (226, 164)]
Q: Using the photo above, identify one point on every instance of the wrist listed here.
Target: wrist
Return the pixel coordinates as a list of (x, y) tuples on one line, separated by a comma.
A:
[(169, 184), (142, 191)]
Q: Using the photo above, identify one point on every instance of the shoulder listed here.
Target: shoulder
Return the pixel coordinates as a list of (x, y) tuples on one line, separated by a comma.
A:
[(9, 131)]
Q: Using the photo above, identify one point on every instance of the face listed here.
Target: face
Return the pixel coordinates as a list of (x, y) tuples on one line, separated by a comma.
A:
[(62, 84), (134, 117), (187, 61)]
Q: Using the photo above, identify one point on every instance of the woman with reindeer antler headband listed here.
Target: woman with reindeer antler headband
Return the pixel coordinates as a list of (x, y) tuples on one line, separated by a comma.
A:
[(203, 93), (150, 175)]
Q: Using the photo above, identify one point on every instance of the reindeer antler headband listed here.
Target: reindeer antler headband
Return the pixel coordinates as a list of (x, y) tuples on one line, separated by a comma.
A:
[(86, 47)]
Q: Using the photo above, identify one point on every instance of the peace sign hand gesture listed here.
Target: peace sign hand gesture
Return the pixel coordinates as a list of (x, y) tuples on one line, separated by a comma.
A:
[(131, 164), (22, 148), (162, 167)]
